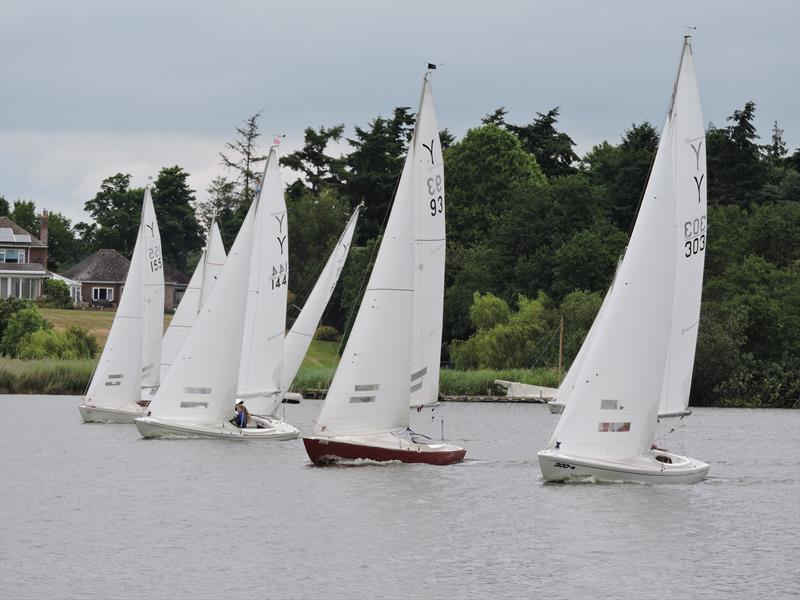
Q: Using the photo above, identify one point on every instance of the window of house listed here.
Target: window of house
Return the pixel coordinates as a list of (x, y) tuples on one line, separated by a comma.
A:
[(103, 294), (12, 255), (4, 287)]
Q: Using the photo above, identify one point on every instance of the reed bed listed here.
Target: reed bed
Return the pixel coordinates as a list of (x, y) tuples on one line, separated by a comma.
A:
[(46, 376)]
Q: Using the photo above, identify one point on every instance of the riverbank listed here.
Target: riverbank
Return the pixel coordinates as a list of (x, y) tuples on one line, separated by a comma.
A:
[(71, 377)]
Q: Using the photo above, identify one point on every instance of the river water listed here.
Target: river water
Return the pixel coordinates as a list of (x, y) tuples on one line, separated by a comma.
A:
[(94, 511)]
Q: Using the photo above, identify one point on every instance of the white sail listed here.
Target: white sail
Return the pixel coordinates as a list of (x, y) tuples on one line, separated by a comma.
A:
[(117, 380), (687, 131), (152, 295), (200, 387), (203, 279), (429, 254), (639, 363), (612, 409), (370, 390), (302, 332), (260, 375)]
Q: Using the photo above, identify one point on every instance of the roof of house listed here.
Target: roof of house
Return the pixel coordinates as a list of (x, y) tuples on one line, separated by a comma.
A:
[(111, 267), (24, 267), (12, 234)]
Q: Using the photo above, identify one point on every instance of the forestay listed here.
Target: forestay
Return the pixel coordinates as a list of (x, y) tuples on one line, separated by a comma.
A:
[(429, 253), (203, 279), (686, 128), (200, 387), (260, 375), (302, 332), (132, 347)]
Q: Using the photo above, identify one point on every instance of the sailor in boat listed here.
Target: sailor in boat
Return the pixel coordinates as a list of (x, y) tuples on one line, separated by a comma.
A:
[(242, 416)]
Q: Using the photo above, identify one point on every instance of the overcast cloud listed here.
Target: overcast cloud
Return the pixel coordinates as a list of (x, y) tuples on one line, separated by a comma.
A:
[(89, 89)]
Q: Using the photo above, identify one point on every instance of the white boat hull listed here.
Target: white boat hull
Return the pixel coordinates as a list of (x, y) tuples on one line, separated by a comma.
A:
[(556, 466), (271, 429), (99, 414)]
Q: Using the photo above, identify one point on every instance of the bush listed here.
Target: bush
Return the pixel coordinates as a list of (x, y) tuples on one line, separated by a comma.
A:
[(57, 294), (74, 343), (9, 306), (326, 333), (22, 323)]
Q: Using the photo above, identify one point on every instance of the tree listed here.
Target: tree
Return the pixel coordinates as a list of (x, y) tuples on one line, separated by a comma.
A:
[(480, 172), (4, 208), (116, 210), (317, 168), (246, 163), (551, 148), (497, 118), (181, 236), (64, 250), (24, 215), (775, 151), (374, 168), (57, 293), (20, 324), (735, 159), (621, 172)]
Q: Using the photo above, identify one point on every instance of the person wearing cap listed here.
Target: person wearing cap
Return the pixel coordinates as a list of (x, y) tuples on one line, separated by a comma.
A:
[(242, 416)]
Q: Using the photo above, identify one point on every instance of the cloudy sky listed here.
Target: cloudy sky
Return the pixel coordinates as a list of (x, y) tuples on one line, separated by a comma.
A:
[(89, 89)]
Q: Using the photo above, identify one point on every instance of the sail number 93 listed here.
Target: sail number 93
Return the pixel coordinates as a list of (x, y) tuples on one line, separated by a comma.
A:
[(695, 234), (435, 190)]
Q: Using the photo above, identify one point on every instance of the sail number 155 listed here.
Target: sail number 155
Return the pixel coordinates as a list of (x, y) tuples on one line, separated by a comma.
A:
[(435, 190)]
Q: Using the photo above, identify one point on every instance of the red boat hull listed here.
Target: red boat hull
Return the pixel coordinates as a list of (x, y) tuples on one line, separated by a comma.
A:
[(325, 452)]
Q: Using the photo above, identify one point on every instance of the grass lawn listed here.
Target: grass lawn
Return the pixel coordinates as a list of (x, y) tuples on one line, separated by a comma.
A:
[(98, 322)]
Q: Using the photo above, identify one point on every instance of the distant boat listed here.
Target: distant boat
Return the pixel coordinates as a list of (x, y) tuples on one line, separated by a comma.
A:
[(129, 365), (391, 360), (637, 360), (202, 282)]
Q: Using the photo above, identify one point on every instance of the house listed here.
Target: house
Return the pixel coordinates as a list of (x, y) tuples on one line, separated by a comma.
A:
[(102, 278), (23, 259)]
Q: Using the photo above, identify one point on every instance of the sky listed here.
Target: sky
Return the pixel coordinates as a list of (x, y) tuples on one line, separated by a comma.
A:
[(90, 89)]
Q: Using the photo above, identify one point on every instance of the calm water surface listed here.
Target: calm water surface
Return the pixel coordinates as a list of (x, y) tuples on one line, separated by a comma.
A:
[(94, 511)]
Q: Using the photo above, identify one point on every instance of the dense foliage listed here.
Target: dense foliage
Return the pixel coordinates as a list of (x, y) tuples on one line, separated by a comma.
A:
[(534, 234), (26, 334)]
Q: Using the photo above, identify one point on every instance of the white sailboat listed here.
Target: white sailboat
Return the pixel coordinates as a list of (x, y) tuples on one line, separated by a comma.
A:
[(366, 412), (202, 282), (233, 337), (129, 365), (638, 359)]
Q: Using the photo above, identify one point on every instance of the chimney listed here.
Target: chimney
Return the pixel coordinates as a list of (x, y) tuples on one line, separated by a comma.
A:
[(43, 226), (43, 233)]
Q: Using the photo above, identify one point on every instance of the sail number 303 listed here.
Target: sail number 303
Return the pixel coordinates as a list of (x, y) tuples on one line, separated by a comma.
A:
[(154, 259), (695, 234), (435, 190)]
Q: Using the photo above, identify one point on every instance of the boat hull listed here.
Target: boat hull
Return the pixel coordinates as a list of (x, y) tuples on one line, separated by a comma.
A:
[(556, 466), (99, 414), (273, 430), (324, 451)]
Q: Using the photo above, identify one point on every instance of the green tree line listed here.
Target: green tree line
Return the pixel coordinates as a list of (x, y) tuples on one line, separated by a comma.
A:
[(534, 235)]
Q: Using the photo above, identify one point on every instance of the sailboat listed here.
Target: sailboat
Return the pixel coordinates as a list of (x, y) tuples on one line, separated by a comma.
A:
[(637, 361), (365, 414), (129, 365), (200, 285), (196, 397)]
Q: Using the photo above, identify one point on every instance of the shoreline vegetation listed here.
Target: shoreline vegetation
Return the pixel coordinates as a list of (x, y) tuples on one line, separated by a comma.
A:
[(71, 377)]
